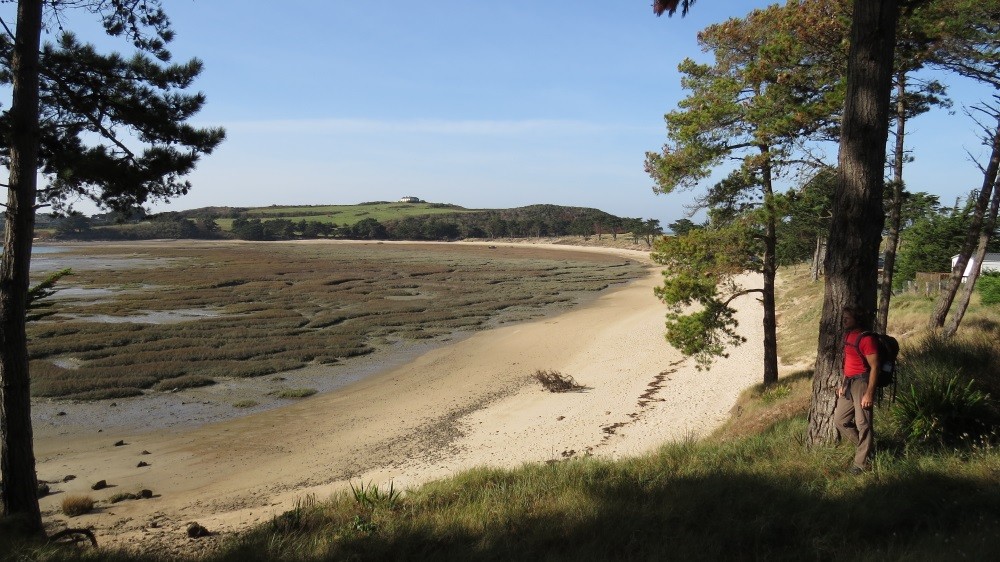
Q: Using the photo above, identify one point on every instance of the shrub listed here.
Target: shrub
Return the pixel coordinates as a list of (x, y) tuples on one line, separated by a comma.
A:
[(939, 408), (773, 393), (988, 286), (973, 356), (554, 381), (77, 505), (371, 496), (245, 404)]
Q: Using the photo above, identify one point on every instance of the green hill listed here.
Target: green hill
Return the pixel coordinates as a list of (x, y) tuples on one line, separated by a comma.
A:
[(347, 215), (380, 220)]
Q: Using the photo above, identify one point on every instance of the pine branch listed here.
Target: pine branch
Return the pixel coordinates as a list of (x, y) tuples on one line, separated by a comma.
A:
[(6, 28), (739, 294), (92, 119)]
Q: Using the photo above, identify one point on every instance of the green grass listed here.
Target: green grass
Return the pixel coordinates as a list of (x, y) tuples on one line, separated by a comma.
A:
[(762, 497), (347, 214), (295, 392)]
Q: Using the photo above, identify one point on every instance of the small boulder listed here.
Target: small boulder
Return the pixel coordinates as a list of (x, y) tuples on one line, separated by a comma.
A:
[(43, 489), (142, 464), (145, 494), (145, 452), (195, 531), (69, 477), (120, 443), (99, 485), (61, 414)]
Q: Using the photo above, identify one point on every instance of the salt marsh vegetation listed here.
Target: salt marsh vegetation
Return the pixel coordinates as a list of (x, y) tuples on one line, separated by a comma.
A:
[(136, 315)]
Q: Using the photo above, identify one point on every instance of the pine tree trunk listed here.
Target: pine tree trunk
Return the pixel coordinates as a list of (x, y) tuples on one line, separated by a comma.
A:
[(856, 226), (819, 256), (984, 239), (895, 208), (975, 226), (770, 270), (17, 466)]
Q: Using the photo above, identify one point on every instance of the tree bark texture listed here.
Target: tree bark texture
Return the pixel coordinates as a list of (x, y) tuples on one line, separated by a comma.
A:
[(770, 271), (984, 239), (895, 208), (975, 227), (17, 466), (856, 226)]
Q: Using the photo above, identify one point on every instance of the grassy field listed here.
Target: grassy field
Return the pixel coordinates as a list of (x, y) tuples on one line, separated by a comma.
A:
[(347, 214), (167, 315)]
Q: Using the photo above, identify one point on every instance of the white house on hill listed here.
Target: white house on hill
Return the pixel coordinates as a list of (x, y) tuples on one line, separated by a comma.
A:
[(991, 262), (409, 199)]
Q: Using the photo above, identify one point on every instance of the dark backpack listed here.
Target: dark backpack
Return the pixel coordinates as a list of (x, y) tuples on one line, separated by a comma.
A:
[(888, 352)]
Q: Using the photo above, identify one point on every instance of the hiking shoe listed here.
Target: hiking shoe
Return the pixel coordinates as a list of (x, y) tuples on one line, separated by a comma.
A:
[(855, 470)]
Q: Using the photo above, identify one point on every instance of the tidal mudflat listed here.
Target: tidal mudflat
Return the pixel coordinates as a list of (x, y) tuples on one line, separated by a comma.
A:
[(146, 319)]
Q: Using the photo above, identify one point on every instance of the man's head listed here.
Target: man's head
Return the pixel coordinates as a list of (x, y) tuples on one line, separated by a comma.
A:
[(855, 317)]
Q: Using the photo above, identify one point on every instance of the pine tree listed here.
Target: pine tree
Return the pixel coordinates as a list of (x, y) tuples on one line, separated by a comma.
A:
[(76, 118)]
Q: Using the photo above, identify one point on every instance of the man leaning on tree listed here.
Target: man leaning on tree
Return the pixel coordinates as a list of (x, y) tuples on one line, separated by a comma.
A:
[(856, 393)]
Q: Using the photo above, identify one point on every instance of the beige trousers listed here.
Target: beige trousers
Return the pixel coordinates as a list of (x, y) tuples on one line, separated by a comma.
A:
[(855, 422)]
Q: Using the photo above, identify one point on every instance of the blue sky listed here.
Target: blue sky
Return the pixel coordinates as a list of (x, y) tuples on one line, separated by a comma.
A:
[(480, 104)]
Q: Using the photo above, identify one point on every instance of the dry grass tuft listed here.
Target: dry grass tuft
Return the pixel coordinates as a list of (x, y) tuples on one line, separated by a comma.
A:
[(77, 505)]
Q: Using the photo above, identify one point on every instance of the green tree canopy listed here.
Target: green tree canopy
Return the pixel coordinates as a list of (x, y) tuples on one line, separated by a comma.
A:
[(113, 129), (776, 83), (928, 245), (700, 270)]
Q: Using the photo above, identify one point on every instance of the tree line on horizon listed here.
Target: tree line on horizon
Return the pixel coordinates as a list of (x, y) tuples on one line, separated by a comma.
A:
[(533, 221)]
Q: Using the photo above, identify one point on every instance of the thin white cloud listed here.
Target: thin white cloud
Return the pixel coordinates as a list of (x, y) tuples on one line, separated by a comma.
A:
[(427, 127)]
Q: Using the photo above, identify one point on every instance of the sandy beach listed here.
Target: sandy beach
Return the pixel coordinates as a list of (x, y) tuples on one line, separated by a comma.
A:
[(465, 404)]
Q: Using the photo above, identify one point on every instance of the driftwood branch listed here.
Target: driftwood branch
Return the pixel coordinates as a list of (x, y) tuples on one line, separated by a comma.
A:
[(71, 535)]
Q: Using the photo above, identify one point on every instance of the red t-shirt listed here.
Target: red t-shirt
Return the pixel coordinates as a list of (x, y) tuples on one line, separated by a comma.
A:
[(854, 364)]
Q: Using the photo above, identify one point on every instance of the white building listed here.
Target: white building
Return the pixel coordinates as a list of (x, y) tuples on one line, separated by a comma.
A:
[(409, 199), (991, 262)]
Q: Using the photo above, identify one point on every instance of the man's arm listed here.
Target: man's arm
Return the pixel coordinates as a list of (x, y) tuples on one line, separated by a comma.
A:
[(868, 400)]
